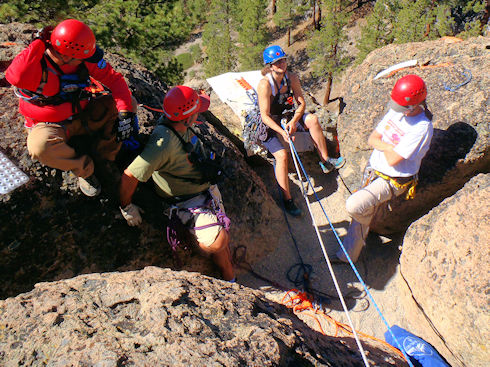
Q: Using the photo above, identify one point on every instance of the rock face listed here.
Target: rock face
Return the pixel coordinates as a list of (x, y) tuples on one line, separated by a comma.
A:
[(459, 148), (156, 317), (444, 264), (51, 231)]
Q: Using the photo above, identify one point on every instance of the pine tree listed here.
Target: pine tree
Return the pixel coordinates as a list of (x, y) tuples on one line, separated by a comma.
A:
[(410, 21), (326, 55), (146, 32), (286, 12), (219, 47), (252, 32), (379, 29)]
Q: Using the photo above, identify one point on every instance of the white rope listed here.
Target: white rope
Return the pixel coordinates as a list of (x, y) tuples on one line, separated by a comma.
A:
[(320, 240)]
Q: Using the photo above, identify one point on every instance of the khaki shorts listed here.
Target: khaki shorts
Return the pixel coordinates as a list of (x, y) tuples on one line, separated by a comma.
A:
[(202, 216)]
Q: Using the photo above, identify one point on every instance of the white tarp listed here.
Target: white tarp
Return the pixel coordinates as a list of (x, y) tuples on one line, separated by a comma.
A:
[(229, 90)]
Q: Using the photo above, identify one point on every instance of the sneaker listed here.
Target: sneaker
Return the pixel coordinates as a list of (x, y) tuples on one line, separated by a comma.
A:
[(326, 166), (90, 186), (332, 163), (337, 162), (291, 208)]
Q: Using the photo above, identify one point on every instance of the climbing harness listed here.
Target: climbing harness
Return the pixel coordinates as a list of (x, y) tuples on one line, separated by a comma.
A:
[(74, 87), (411, 184), (467, 74), (179, 233), (297, 163)]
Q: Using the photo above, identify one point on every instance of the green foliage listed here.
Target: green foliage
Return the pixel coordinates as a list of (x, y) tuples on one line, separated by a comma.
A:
[(287, 10), (196, 53), (379, 29), (251, 19), (326, 55), (410, 21), (146, 31), (220, 50), (185, 59), (41, 12)]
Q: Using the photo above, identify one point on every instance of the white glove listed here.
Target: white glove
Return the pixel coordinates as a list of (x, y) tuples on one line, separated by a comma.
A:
[(131, 213)]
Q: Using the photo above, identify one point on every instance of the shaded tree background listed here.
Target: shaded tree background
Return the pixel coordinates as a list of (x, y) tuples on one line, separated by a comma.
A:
[(236, 31)]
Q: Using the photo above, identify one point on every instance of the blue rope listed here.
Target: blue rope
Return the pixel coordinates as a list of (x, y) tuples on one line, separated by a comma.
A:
[(350, 261), (466, 73)]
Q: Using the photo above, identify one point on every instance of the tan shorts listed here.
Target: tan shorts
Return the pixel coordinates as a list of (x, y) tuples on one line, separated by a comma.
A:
[(202, 216)]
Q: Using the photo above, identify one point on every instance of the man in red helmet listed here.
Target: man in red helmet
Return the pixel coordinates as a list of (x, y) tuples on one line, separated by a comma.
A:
[(172, 158), (58, 79), (400, 141)]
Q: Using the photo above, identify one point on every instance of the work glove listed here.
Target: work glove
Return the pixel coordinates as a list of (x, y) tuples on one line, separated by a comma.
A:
[(124, 125), (131, 213), (44, 34)]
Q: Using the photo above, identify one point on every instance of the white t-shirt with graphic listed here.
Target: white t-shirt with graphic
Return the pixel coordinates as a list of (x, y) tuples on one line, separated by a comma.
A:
[(411, 136)]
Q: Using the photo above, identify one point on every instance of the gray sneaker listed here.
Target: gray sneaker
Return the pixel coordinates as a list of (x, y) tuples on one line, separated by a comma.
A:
[(90, 186)]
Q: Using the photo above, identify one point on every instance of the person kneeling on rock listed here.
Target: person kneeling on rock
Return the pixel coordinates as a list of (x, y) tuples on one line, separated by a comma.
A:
[(59, 80), (400, 141), (175, 158)]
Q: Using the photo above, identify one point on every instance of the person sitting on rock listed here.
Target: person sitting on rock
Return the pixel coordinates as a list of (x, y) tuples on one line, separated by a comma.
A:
[(277, 92), (400, 141), (58, 79), (171, 159)]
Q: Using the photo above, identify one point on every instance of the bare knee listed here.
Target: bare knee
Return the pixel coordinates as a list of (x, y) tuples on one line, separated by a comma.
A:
[(281, 156), (311, 121), (219, 244)]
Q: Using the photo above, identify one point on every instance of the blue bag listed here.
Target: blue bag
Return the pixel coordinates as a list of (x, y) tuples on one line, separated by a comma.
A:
[(418, 350)]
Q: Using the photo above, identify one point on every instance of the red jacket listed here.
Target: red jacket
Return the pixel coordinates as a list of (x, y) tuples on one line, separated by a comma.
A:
[(25, 72)]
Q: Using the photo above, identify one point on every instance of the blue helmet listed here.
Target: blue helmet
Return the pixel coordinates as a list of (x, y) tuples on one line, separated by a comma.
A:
[(272, 54)]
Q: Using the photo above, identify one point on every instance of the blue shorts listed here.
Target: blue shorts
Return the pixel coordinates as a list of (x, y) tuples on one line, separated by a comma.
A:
[(275, 142)]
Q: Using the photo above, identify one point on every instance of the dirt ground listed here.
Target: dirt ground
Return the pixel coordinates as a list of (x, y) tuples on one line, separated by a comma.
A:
[(377, 266)]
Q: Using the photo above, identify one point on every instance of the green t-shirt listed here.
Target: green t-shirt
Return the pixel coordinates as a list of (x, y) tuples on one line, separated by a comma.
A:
[(165, 160)]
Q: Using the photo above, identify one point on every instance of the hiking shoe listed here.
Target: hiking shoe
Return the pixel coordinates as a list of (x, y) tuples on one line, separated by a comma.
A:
[(326, 166), (337, 162), (291, 208), (332, 163), (90, 186)]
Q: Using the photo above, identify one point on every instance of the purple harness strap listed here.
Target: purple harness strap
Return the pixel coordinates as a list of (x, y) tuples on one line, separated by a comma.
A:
[(178, 233)]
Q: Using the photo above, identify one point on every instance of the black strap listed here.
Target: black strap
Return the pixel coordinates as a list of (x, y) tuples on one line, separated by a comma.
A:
[(188, 147)]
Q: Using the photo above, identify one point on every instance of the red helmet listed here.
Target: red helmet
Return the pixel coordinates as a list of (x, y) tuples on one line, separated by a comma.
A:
[(73, 38), (180, 102), (409, 91)]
